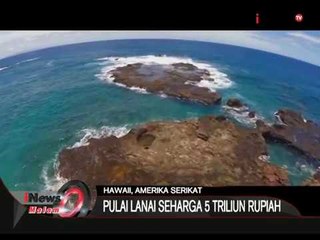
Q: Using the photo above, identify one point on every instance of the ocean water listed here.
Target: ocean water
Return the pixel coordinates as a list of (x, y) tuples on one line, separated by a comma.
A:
[(59, 97)]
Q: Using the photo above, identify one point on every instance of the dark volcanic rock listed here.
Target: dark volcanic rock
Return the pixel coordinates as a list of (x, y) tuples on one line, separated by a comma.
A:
[(235, 103), (175, 80), (240, 112), (292, 129), (171, 153), (251, 114), (290, 118), (221, 118)]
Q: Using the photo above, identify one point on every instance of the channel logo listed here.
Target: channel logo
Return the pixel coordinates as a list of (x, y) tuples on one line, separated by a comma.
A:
[(72, 200), (38, 198)]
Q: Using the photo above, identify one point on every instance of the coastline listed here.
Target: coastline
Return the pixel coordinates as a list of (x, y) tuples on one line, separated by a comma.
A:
[(143, 108)]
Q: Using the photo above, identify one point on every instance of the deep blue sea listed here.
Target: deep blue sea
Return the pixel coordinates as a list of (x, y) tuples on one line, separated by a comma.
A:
[(52, 98)]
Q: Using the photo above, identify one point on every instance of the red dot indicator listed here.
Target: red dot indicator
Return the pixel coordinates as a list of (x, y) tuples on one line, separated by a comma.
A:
[(299, 17), (26, 197)]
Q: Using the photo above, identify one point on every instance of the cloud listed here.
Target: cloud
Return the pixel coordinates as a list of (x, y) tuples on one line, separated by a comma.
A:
[(305, 36), (291, 44), (21, 41)]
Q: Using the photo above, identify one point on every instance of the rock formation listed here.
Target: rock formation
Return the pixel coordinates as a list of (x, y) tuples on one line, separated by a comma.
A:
[(292, 129), (252, 114), (210, 151), (176, 80), (234, 103)]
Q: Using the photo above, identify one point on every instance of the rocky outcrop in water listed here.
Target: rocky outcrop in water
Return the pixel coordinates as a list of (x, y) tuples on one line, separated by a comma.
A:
[(295, 131), (234, 103), (240, 111), (252, 114), (210, 151), (176, 80)]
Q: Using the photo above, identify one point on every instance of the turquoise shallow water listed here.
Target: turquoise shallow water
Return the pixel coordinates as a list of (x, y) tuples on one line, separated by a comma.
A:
[(46, 102)]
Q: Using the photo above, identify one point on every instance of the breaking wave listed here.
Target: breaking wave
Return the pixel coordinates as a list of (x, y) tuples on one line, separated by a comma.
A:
[(215, 80), (105, 131), (24, 61), (51, 177), (241, 115), (3, 68), (139, 90), (27, 60)]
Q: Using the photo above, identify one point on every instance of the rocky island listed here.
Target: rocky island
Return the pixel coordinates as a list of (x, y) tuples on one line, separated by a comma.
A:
[(234, 105), (292, 129), (180, 80), (210, 151), (289, 128)]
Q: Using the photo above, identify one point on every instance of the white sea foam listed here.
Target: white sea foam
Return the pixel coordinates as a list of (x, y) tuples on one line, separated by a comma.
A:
[(241, 115), (215, 80), (104, 131), (3, 68), (50, 63), (278, 119), (139, 90), (163, 95), (264, 158), (28, 60), (235, 109), (306, 168), (50, 175), (52, 182)]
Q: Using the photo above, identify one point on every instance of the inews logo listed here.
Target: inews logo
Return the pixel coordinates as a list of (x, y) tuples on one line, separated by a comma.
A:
[(37, 198), (72, 200)]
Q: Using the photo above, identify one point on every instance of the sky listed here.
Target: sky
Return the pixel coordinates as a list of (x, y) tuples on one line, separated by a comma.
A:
[(302, 45)]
